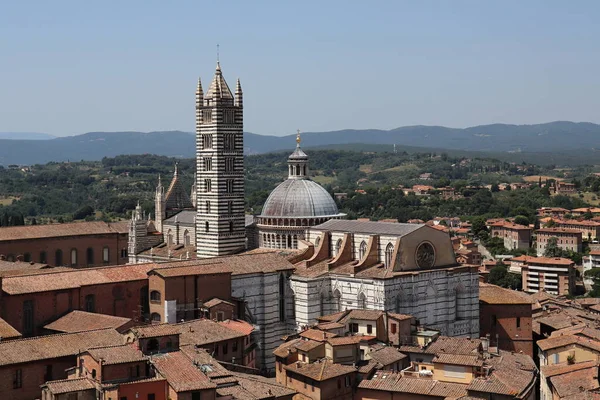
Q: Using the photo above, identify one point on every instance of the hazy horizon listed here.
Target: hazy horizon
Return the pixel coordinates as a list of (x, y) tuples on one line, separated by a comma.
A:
[(73, 67)]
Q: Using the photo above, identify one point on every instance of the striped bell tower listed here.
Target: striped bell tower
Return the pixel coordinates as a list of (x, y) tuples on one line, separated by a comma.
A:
[(220, 219)]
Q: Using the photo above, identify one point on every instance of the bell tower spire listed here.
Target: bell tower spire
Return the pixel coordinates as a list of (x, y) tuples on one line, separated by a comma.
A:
[(220, 216)]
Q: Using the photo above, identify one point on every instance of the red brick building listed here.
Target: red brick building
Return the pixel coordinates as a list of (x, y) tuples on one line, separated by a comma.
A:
[(77, 244), (505, 315), (30, 302), (25, 364)]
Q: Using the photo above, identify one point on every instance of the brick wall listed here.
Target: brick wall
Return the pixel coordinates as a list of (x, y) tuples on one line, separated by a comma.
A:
[(34, 247), (122, 299), (32, 376), (501, 319)]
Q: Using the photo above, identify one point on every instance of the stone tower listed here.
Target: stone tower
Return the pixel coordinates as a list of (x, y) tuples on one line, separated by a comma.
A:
[(220, 220), (159, 205)]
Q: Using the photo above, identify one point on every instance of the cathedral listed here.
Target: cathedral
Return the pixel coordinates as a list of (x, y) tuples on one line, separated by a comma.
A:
[(334, 264)]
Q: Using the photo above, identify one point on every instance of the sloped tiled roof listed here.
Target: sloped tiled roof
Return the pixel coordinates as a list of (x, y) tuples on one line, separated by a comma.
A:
[(492, 294), (55, 346), (566, 340), (395, 382), (320, 371), (120, 354), (79, 321), (176, 197), (512, 374), (7, 331), (317, 335), (75, 278), (181, 374), (197, 332), (372, 227), (69, 385), (387, 355), (575, 382), (458, 359), (256, 387), (282, 349), (29, 232), (564, 368)]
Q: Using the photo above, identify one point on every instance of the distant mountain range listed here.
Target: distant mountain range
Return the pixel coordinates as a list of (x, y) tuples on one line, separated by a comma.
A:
[(554, 137), (26, 136)]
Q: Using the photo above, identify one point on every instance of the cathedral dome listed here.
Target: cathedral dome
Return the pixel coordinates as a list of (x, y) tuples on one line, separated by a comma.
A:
[(299, 198)]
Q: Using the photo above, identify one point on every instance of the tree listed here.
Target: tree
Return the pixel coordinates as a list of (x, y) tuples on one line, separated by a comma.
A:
[(521, 220), (478, 225), (83, 212), (552, 249), (495, 188), (500, 276), (594, 275)]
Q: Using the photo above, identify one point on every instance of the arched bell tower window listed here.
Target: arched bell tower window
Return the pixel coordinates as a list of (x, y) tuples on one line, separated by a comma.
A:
[(338, 247), (389, 253), (362, 250), (362, 301)]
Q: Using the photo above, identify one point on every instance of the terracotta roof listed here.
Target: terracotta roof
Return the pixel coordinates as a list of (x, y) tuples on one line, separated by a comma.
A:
[(243, 327), (346, 340), (559, 230), (308, 345), (182, 375), (7, 331), (317, 335), (8, 268), (75, 278), (240, 264), (197, 332), (549, 261), (330, 325), (119, 354), (256, 387), (203, 360), (575, 382), (394, 382), (29, 232), (69, 385), (216, 301), (332, 317), (458, 359), (367, 315), (387, 355), (320, 371), (453, 345), (564, 368), (513, 374), (282, 349), (566, 340), (492, 294), (510, 225), (79, 321), (54, 346)]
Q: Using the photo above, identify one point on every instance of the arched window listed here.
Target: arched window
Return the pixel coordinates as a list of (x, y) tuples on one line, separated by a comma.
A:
[(43, 257), (297, 169), (338, 247), (230, 226), (389, 253), (186, 238), (155, 317), (289, 241), (169, 237), (73, 257), (155, 296), (58, 258), (304, 168), (105, 255), (90, 303), (89, 255), (206, 227), (362, 301), (337, 301), (281, 297), (362, 250), (230, 207)]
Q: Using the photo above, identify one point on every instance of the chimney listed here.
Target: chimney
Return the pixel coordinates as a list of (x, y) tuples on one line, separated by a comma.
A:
[(20, 258), (324, 335)]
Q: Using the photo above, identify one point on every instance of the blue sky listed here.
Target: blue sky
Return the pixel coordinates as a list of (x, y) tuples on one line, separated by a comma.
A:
[(72, 67)]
